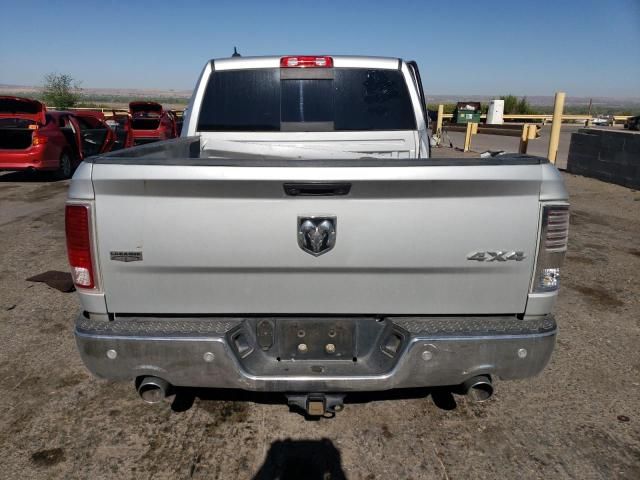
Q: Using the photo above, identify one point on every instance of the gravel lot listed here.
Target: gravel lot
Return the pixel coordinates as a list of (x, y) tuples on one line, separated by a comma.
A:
[(579, 419)]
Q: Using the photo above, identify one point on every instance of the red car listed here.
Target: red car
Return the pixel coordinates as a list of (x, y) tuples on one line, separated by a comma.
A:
[(151, 122), (31, 138)]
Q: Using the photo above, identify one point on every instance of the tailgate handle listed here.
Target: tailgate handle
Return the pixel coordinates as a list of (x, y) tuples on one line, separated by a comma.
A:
[(316, 189)]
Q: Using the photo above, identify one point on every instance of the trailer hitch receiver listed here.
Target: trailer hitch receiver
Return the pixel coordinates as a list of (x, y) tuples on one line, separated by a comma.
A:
[(317, 404)]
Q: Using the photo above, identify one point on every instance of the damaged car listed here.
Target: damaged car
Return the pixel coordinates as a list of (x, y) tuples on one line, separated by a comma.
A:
[(34, 139), (151, 122)]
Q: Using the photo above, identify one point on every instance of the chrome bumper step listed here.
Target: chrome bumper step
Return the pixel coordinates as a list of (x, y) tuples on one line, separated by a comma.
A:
[(316, 354)]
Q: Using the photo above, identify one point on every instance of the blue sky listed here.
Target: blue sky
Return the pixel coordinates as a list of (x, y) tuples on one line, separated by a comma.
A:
[(584, 47)]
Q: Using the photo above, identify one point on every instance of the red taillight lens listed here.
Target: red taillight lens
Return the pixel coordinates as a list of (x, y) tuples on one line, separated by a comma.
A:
[(38, 139), (79, 245), (306, 61)]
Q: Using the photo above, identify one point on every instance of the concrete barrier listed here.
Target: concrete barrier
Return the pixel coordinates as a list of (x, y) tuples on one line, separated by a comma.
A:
[(609, 155)]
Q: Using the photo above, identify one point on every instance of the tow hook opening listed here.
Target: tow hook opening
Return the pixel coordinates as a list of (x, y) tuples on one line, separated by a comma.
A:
[(317, 404)]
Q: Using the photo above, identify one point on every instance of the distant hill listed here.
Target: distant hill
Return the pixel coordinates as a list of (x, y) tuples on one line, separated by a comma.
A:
[(110, 97), (120, 92)]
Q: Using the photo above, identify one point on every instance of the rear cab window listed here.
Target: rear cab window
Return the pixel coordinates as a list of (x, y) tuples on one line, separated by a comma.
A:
[(311, 99)]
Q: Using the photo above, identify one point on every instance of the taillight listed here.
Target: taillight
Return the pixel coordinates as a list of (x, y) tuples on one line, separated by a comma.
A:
[(554, 237), (79, 245), (306, 61), (38, 139)]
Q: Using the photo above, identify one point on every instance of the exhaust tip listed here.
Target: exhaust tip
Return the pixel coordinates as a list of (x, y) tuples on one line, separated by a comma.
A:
[(153, 389), (479, 389)]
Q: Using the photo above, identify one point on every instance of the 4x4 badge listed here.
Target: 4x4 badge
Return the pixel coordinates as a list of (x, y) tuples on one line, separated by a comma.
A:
[(497, 256), (317, 235)]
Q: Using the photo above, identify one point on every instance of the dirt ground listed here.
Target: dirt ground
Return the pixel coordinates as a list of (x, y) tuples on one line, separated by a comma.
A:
[(579, 419)]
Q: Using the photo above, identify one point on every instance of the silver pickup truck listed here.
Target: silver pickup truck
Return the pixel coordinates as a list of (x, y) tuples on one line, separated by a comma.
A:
[(299, 239)]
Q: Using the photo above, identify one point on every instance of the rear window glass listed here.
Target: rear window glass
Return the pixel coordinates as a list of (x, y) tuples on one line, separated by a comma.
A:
[(306, 101), (354, 99), (145, 107), (242, 100), (15, 123), (13, 105), (146, 114)]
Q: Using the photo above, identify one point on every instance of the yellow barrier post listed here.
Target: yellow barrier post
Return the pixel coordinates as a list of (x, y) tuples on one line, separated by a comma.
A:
[(524, 139), (438, 133), (472, 129), (529, 132), (439, 122), (556, 125)]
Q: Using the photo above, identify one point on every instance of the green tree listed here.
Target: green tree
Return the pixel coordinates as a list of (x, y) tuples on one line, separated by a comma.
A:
[(523, 107), (448, 107), (60, 90), (515, 106), (510, 104)]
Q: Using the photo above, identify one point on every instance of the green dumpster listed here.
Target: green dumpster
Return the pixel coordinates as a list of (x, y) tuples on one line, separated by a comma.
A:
[(467, 112)]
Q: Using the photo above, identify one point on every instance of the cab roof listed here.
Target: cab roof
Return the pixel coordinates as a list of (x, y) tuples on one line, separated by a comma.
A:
[(339, 61)]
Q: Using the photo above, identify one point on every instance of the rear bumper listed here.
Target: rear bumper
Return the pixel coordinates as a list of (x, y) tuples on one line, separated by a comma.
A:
[(28, 159), (204, 352)]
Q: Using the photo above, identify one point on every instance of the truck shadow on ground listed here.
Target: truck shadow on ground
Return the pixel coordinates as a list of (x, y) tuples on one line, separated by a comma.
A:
[(295, 459), (29, 177), (442, 397)]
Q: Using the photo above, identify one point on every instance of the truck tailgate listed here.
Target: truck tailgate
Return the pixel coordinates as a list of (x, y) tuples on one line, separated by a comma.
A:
[(222, 239)]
